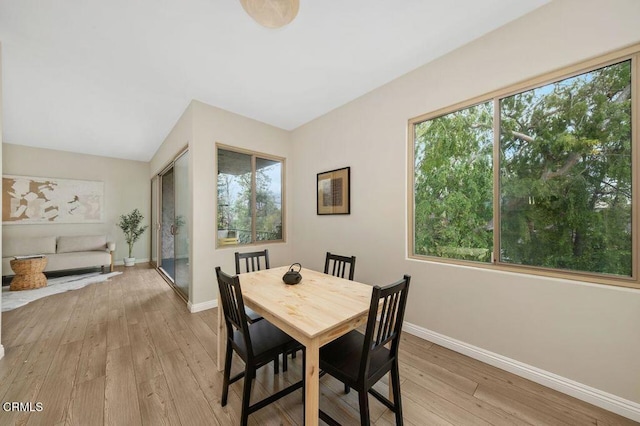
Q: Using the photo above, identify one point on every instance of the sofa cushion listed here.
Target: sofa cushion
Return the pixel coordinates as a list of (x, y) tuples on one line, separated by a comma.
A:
[(81, 243), (77, 260), (26, 246)]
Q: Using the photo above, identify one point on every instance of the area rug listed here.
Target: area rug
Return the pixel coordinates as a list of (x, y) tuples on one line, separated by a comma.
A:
[(15, 299)]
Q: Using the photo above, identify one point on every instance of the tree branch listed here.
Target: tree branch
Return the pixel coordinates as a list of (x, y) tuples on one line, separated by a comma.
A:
[(623, 95), (522, 136), (571, 161)]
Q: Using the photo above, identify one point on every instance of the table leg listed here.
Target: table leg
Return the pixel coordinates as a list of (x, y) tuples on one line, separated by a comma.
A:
[(312, 392), (222, 335)]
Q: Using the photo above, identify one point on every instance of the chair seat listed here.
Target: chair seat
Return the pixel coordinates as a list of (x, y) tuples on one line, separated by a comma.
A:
[(341, 358), (252, 316), (268, 341)]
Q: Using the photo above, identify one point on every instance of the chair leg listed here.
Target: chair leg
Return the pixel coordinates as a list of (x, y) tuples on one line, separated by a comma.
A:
[(397, 398), (363, 398), (347, 389), (246, 394), (285, 363), (276, 365), (227, 373)]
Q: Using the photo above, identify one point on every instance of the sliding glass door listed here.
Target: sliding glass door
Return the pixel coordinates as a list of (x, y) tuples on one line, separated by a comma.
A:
[(181, 224), (174, 224), (167, 214), (155, 221)]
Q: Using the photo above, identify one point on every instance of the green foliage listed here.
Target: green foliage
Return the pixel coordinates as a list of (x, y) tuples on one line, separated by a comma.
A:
[(268, 210), (453, 184), (132, 228), (566, 174), (565, 177), (235, 201), (179, 222)]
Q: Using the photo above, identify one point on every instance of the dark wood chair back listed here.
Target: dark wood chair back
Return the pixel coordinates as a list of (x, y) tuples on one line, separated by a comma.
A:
[(233, 307), (393, 299), (336, 265), (252, 261), (270, 343)]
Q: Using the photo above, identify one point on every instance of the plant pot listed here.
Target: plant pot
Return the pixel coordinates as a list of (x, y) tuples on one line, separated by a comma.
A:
[(129, 261)]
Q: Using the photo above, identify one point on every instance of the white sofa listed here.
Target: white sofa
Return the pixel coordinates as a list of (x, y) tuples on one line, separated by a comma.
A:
[(62, 253)]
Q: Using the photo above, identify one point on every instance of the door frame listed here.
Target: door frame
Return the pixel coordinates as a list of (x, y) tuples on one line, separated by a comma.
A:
[(159, 223)]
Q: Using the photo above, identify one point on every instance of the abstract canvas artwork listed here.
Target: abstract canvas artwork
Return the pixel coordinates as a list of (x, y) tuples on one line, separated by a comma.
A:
[(334, 192), (27, 200)]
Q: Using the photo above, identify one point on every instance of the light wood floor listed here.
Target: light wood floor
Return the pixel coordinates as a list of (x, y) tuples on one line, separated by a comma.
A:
[(127, 352)]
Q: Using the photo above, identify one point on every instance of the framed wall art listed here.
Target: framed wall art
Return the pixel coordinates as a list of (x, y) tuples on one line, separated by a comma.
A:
[(29, 200), (334, 193)]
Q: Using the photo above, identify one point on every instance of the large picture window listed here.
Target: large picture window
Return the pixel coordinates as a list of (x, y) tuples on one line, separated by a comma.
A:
[(453, 184), (538, 178), (565, 174), (250, 197)]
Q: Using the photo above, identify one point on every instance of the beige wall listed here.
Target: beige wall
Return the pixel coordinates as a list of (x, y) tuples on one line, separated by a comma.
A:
[(202, 126), (175, 142), (126, 186), (586, 333)]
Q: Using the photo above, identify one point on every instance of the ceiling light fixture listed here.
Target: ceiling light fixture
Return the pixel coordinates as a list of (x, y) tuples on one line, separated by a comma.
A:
[(271, 13)]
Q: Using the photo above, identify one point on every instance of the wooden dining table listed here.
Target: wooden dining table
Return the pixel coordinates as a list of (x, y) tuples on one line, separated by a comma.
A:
[(315, 311)]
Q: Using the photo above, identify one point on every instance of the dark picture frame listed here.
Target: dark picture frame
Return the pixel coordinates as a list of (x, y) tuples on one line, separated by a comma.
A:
[(334, 192)]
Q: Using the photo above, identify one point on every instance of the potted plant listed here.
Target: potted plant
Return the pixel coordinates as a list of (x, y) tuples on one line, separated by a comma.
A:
[(132, 228)]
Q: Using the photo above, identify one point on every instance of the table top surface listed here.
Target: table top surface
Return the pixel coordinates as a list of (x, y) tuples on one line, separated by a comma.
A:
[(316, 305)]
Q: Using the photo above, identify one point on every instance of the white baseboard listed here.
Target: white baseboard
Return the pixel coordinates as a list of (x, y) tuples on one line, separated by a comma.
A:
[(121, 261), (1, 351), (203, 306), (607, 401)]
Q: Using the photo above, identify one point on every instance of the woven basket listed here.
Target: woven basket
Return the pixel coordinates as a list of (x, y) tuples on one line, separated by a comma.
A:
[(28, 273)]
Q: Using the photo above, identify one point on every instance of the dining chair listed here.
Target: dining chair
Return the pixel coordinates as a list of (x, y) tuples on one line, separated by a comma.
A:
[(255, 343), (360, 360), (251, 262), (336, 265)]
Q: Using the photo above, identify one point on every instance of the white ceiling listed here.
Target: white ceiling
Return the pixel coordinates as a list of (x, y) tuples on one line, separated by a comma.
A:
[(112, 77)]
